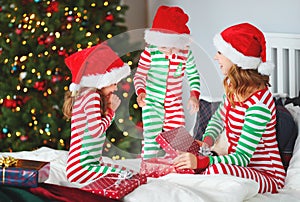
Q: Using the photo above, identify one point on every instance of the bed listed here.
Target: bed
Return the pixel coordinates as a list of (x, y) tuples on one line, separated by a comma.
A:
[(284, 50)]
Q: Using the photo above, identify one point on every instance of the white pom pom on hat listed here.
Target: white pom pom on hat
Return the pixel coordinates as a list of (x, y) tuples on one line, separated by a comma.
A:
[(245, 45)]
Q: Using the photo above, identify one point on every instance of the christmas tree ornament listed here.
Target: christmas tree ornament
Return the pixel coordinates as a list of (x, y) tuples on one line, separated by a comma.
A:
[(50, 39), (61, 51), (22, 76), (70, 18), (41, 39), (56, 78), (24, 138), (40, 85), (53, 7), (9, 103), (18, 31), (126, 87), (109, 17)]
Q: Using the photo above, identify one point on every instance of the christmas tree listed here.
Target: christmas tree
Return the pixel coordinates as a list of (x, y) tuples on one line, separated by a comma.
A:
[(35, 38)]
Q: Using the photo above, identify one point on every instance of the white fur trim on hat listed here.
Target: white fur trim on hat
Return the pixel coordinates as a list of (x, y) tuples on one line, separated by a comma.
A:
[(162, 39), (245, 62), (102, 80)]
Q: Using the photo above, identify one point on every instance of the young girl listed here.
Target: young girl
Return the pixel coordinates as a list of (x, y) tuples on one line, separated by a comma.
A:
[(159, 76), (91, 105), (247, 113)]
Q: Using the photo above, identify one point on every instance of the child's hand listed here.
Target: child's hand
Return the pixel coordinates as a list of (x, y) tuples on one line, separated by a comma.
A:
[(185, 160), (141, 99), (193, 105), (113, 102)]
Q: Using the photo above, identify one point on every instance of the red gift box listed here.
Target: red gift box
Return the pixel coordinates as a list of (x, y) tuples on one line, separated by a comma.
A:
[(115, 186), (25, 173), (177, 139), (158, 167)]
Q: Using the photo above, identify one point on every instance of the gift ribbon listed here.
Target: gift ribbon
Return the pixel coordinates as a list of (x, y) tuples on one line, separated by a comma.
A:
[(6, 162), (122, 176)]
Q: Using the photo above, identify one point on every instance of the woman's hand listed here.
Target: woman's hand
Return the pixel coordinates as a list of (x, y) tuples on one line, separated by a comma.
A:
[(185, 160), (141, 99)]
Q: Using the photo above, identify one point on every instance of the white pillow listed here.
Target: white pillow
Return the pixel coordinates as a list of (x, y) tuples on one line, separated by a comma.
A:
[(293, 172)]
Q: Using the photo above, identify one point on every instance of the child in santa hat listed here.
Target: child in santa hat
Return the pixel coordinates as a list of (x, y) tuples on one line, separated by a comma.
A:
[(247, 113), (91, 105), (159, 76)]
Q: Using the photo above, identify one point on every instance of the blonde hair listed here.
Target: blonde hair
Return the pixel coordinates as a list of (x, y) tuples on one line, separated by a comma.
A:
[(241, 83), (68, 104), (69, 100)]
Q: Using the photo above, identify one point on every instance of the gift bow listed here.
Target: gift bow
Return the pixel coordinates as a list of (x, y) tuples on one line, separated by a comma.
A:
[(7, 161), (123, 176)]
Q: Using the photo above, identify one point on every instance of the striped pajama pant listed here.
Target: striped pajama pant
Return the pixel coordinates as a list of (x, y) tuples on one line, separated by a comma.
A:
[(158, 117), (266, 182)]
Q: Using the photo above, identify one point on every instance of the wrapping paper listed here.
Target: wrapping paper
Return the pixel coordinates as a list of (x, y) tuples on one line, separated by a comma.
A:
[(158, 167), (177, 139), (114, 185), (25, 173)]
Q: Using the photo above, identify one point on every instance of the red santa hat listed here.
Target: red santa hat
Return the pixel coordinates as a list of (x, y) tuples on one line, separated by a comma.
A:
[(245, 46), (96, 67), (169, 28)]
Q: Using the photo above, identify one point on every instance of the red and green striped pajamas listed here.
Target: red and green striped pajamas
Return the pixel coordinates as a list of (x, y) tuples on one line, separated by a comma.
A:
[(253, 151), (88, 128), (161, 77)]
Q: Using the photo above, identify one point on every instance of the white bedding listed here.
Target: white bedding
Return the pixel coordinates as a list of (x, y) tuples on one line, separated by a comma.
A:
[(183, 187)]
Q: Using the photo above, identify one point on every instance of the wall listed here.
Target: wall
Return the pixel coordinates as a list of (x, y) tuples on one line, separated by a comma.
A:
[(137, 14)]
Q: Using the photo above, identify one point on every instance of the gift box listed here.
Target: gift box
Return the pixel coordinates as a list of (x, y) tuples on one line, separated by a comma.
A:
[(177, 139), (158, 167), (114, 185), (25, 173)]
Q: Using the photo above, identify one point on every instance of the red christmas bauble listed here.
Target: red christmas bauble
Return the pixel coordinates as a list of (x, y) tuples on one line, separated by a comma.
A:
[(53, 7), (41, 40), (18, 31), (62, 52), (126, 87), (70, 18), (24, 138), (139, 126), (49, 39), (9, 103), (109, 17), (39, 85), (56, 78)]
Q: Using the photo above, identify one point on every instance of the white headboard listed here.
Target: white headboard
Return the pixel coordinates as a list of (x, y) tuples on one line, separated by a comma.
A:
[(284, 51)]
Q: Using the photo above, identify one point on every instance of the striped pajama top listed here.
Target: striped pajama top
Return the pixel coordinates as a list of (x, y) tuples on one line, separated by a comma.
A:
[(162, 76), (88, 128), (251, 134)]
